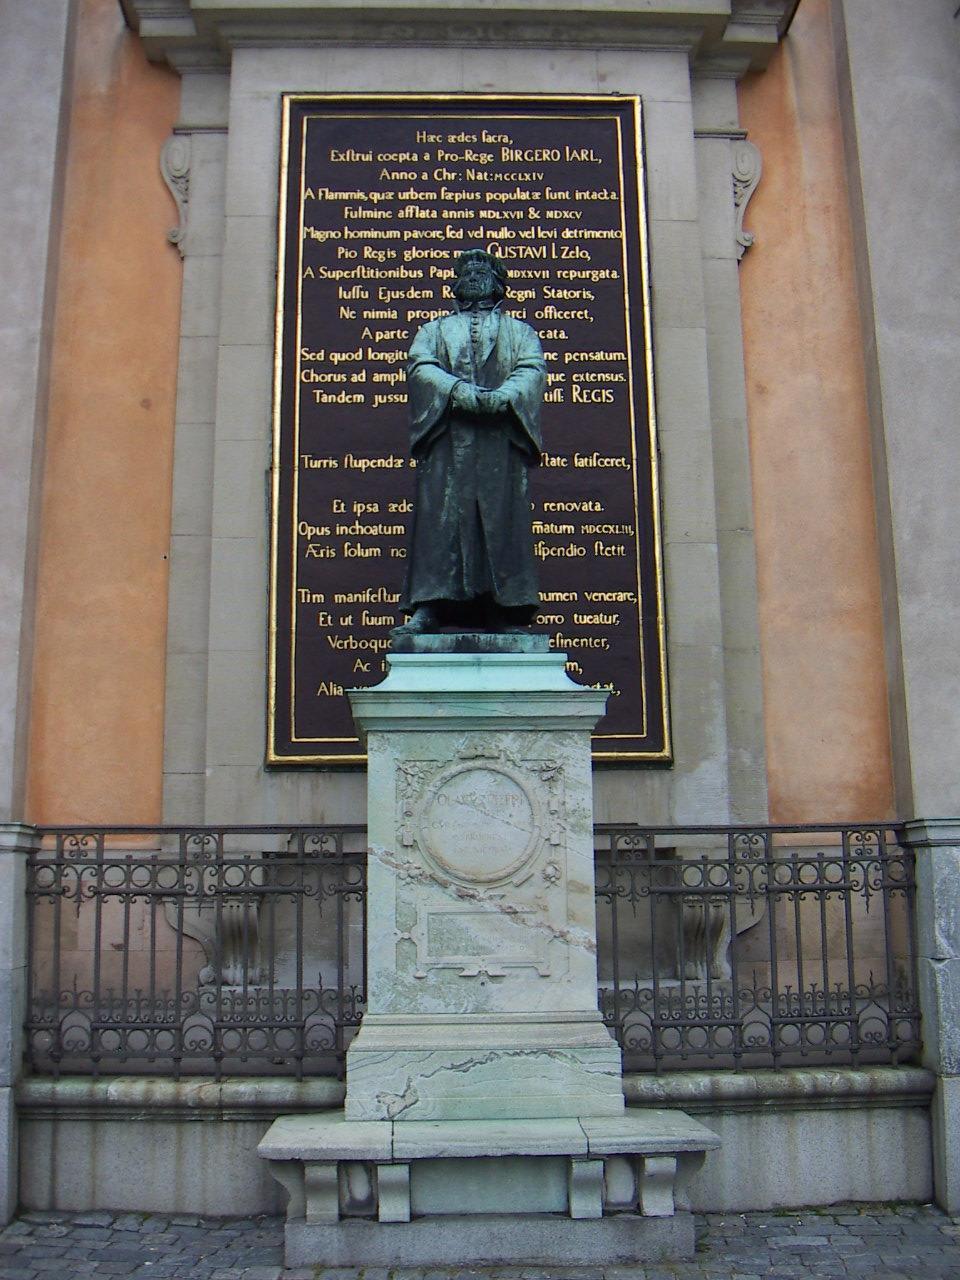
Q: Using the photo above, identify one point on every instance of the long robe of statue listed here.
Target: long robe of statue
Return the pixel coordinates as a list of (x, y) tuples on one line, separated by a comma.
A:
[(471, 533)]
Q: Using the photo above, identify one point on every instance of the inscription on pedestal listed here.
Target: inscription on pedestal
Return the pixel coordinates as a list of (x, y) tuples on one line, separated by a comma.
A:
[(479, 941)]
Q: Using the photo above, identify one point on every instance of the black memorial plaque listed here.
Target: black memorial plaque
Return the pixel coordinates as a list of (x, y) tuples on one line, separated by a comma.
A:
[(378, 196)]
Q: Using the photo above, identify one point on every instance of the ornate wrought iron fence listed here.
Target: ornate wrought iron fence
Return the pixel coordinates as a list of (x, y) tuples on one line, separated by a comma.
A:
[(215, 951), (203, 951), (768, 946)]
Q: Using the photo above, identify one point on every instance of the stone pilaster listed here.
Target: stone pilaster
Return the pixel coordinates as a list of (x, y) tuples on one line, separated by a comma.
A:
[(900, 110), (937, 846), (16, 842)]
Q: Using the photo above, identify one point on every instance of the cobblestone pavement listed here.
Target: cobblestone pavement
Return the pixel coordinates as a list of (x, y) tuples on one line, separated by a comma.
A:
[(856, 1242)]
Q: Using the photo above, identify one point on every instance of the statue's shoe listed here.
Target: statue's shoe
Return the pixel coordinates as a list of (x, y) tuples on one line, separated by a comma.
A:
[(420, 622)]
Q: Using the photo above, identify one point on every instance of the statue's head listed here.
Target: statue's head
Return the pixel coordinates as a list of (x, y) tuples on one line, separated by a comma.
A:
[(477, 276)]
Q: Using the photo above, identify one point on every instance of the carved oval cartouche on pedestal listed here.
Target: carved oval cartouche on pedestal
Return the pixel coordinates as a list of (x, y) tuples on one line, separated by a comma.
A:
[(479, 823)]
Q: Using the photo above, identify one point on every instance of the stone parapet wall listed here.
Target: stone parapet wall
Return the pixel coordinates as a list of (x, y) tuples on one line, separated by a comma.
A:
[(790, 1138)]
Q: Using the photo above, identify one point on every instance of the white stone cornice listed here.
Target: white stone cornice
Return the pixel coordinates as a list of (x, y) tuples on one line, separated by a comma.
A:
[(731, 36)]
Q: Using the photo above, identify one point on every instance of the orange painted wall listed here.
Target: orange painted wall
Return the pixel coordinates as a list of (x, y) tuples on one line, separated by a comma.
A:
[(96, 738), (828, 742)]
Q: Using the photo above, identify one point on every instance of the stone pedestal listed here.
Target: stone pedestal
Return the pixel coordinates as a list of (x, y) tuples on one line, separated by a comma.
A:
[(482, 968), (482, 1088)]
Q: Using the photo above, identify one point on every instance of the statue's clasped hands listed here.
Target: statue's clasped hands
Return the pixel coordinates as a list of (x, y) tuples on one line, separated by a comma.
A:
[(480, 400)]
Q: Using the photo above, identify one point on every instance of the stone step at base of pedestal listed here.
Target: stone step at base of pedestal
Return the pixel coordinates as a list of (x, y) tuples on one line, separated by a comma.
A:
[(491, 1240)]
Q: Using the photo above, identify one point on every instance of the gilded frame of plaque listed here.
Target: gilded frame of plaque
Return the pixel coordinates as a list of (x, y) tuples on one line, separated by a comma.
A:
[(355, 263)]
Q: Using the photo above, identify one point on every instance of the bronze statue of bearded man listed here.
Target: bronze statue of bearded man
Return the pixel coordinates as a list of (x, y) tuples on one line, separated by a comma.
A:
[(475, 383)]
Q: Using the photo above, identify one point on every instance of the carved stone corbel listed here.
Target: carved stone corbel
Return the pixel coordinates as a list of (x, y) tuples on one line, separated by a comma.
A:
[(226, 925), (747, 168), (231, 943), (175, 170), (709, 923), (706, 939), (657, 1176)]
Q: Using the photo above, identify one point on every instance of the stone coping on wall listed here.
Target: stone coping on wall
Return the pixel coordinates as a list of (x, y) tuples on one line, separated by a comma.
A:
[(249, 1098), (790, 1089), (158, 1098), (726, 36)]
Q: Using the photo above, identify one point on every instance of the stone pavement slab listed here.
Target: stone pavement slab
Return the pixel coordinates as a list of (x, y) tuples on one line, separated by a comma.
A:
[(844, 1242)]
